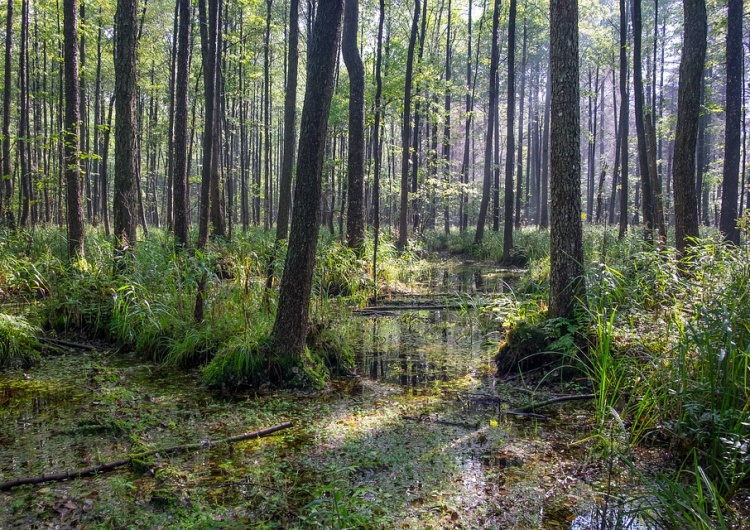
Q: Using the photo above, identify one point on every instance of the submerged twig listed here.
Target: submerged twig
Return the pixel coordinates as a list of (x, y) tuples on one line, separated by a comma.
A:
[(109, 466)]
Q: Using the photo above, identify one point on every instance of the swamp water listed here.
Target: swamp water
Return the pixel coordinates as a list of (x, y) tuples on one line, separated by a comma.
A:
[(399, 446)]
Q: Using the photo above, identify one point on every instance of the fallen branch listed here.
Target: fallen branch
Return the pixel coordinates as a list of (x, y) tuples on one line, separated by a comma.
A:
[(109, 466), (532, 407), (67, 344), (414, 307)]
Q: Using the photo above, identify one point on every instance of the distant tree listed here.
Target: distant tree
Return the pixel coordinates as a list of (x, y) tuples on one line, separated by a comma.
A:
[(72, 120), (355, 221), (728, 219), (688, 109), (126, 150), (291, 324), (566, 245), (182, 58)]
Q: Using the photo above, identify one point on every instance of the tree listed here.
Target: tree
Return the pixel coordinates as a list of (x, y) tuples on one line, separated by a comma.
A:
[(355, 221), (688, 108), (6, 184), (209, 22), (624, 132), (72, 164), (566, 246), (290, 326), (487, 184), (126, 150), (180, 177), (728, 219), (510, 150), (290, 120), (406, 131), (647, 198)]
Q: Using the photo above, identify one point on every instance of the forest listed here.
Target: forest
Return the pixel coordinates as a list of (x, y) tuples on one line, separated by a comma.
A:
[(375, 264)]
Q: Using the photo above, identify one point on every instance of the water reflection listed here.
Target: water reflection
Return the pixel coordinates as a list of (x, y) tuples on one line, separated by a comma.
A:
[(414, 348)]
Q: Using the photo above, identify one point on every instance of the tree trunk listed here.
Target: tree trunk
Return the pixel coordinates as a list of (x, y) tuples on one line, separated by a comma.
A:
[(728, 220), (291, 324), (6, 185), (447, 127), (624, 119), (510, 146), (519, 157), (355, 220), (487, 183), (688, 109), (378, 149), (647, 198), (544, 184), (72, 167), (180, 162), (290, 124), (267, 117), (406, 132), (126, 152), (23, 128), (566, 247)]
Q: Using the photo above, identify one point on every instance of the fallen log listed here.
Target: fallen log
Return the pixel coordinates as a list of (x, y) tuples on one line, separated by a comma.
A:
[(533, 406), (66, 343), (174, 450)]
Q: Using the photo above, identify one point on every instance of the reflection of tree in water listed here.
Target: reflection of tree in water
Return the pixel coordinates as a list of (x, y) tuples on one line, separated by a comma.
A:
[(418, 347)]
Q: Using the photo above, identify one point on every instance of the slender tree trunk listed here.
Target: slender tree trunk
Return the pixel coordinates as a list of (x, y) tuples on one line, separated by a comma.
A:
[(543, 196), (23, 111), (487, 182), (647, 197), (510, 143), (6, 184), (72, 167), (566, 245), (728, 220), (406, 132), (378, 149), (624, 119), (355, 220), (291, 324), (447, 126), (180, 163), (688, 109), (267, 117), (511, 86), (290, 124)]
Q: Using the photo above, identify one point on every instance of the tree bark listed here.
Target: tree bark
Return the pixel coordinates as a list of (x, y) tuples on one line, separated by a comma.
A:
[(406, 132), (291, 324), (180, 162), (72, 164), (730, 177), (566, 247), (510, 147), (24, 135), (355, 220), (487, 184), (6, 182), (688, 109), (126, 152), (624, 120)]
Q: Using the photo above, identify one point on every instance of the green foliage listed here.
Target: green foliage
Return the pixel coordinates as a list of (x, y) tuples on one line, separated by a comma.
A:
[(19, 346)]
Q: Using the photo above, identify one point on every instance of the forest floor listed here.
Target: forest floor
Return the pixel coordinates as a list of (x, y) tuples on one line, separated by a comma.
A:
[(400, 445)]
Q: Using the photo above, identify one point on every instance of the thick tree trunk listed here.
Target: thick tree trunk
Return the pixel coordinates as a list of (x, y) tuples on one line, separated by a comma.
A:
[(566, 247), (355, 217), (72, 167), (180, 162), (487, 182), (126, 151), (291, 324), (728, 220), (688, 109), (6, 185)]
